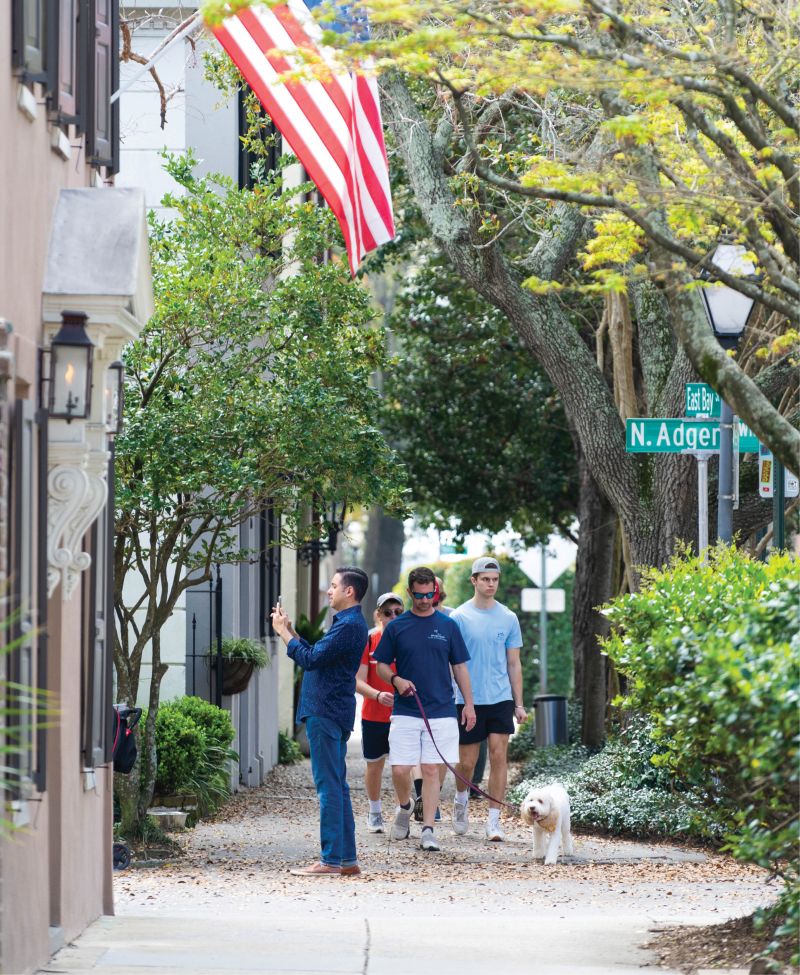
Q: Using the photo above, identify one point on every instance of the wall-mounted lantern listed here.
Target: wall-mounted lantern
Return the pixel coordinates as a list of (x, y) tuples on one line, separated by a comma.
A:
[(113, 397), (71, 369)]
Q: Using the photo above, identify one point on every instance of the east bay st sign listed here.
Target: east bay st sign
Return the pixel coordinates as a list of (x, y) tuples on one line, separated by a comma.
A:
[(655, 435)]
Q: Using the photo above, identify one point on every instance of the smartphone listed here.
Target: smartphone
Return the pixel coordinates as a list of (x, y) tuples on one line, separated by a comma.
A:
[(278, 604)]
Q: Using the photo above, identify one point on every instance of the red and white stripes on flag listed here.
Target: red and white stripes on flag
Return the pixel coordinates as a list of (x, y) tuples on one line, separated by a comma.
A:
[(333, 125)]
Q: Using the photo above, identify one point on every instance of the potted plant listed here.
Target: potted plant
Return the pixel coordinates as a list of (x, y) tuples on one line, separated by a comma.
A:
[(240, 657)]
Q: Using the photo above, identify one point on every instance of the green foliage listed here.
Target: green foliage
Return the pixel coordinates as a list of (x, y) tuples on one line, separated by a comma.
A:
[(311, 630), (215, 722), (619, 790), (243, 648), (523, 743), (711, 652), (288, 750), (180, 747), (194, 756), (453, 408), (513, 580)]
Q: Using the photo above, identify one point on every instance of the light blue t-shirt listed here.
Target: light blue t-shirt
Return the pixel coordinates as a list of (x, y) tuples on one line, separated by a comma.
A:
[(488, 633)]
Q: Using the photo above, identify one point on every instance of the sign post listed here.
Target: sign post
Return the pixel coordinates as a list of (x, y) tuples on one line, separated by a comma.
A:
[(702, 502), (543, 628)]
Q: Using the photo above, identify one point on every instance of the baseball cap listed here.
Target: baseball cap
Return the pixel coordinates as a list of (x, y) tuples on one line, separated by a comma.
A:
[(387, 597), (485, 564)]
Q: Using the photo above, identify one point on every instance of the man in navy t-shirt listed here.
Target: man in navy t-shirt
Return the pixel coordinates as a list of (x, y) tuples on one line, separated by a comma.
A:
[(423, 644)]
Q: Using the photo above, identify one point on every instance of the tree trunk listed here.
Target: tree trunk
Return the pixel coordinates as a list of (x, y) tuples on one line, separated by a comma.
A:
[(383, 554), (594, 581)]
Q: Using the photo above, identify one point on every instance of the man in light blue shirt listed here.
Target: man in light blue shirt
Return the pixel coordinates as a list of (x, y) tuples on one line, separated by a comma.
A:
[(494, 640)]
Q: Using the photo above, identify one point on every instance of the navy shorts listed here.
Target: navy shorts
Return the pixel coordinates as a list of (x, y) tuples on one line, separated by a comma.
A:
[(491, 719), (375, 739)]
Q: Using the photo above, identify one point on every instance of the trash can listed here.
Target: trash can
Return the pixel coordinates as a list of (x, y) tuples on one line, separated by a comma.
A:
[(551, 720)]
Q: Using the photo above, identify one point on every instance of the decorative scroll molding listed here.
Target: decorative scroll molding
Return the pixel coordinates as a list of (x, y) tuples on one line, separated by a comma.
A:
[(76, 496)]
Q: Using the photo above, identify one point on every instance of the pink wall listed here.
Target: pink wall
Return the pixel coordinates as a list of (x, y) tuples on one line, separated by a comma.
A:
[(57, 871)]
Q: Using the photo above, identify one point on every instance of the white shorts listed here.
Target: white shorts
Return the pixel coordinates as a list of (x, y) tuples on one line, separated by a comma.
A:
[(410, 743)]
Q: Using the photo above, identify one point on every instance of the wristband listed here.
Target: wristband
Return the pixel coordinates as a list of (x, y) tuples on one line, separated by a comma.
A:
[(391, 679), (519, 705)]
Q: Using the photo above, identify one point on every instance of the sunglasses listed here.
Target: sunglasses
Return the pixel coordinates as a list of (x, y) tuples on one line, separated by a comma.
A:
[(424, 595), (392, 612)]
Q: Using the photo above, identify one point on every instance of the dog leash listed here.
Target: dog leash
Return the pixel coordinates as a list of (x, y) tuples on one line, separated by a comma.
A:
[(461, 778)]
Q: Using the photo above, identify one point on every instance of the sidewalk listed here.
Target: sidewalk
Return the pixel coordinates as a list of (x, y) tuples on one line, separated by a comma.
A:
[(230, 905)]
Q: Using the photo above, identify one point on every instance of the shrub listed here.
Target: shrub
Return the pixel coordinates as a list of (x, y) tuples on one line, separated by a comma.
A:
[(215, 722), (180, 748), (523, 743), (711, 653), (618, 790), (288, 750)]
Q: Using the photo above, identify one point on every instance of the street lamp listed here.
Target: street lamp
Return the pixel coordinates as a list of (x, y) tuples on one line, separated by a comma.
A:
[(71, 369), (728, 312)]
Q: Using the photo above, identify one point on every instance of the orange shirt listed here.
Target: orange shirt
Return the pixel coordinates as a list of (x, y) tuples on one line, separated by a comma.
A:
[(370, 709)]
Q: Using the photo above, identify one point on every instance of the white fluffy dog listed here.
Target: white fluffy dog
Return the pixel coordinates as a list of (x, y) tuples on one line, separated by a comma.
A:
[(547, 810)]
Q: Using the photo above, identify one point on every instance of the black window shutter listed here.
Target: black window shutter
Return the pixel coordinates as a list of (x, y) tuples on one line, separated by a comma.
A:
[(103, 79), (28, 25), (62, 58)]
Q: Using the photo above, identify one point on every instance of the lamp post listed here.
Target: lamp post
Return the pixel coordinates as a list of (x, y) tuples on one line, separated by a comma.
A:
[(728, 312), (71, 369)]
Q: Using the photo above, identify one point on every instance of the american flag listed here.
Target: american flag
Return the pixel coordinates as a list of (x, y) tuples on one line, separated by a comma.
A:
[(332, 124)]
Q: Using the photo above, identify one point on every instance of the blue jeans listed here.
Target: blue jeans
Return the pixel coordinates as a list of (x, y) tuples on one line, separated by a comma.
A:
[(337, 828)]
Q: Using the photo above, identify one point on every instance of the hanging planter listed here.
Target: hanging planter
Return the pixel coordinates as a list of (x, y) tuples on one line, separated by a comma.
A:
[(240, 658)]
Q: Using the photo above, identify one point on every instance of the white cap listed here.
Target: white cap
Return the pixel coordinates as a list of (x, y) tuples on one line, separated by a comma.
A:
[(387, 597), (485, 564)]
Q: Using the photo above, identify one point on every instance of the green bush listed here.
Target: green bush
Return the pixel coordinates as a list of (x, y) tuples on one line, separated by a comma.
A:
[(711, 653), (619, 790), (180, 748), (523, 743), (288, 750), (215, 722), (193, 739)]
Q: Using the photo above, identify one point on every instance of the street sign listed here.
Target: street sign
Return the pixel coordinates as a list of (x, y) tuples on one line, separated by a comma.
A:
[(766, 477), (665, 435), (701, 400), (554, 600)]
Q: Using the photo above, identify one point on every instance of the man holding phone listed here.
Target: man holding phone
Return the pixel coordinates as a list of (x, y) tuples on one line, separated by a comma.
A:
[(328, 707)]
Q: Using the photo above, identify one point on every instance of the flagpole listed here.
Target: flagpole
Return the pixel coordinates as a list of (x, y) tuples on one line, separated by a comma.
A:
[(181, 31)]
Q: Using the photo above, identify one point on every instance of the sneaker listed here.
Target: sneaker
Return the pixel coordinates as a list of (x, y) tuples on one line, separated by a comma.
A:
[(375, 822), (400, 827), (460, 817), (428, 841), (494, 833), (418, 809)]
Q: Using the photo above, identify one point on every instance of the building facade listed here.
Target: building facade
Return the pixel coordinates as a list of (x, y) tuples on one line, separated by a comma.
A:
[(74, 267)]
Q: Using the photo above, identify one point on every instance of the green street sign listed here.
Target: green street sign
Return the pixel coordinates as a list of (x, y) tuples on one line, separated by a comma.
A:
[(701, 400), (654, 435)]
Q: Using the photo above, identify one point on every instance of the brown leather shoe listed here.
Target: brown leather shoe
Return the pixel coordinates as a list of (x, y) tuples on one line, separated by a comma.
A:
[(353, 871), (317, 870)]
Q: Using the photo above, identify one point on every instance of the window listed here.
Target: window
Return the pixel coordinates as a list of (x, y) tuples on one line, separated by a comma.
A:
[(62, 59), (97, 641), (247, 158), (28, 589), (28, 25), (102, 61)]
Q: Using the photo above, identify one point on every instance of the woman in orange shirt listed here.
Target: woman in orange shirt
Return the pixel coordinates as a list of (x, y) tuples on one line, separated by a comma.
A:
[(376, 711)]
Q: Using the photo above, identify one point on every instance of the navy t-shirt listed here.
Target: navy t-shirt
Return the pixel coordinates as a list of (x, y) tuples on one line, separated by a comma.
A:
[(423, 648)]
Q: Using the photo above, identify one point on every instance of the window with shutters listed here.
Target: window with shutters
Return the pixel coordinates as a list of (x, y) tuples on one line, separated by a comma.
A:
[(28, 26), (96, 684), (27, 598), (62, 59), (102, 62)]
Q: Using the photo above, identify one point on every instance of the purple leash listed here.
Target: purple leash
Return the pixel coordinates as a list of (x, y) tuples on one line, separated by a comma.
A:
[(465, 781)]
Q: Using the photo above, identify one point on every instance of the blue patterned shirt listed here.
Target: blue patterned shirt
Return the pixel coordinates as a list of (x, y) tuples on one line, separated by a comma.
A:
[(330, 665)]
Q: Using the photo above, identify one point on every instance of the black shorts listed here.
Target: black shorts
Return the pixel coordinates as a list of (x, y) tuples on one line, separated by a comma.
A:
[(491, 719), (375, 739)]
